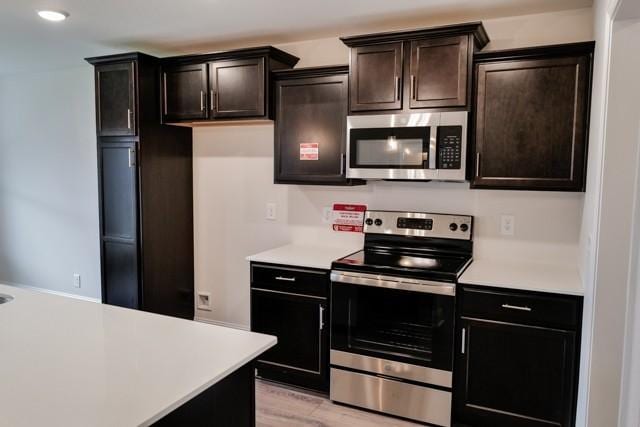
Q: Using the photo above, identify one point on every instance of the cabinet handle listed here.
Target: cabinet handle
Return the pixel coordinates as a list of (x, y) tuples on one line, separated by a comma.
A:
[(128, 118), (201, 100), (478, 164), (164, 91), (212, 96), (413, 87), (132, 157), (321, 317), (286, 279), (516, 307), (464, 333), (398, 88)]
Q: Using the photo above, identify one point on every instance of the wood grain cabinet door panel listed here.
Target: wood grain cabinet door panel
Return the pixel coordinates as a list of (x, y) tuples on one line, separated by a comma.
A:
[(115, 99), (531, 123), (311, 111), (376, 77), (439, 72), (237, 88), (184, 92)]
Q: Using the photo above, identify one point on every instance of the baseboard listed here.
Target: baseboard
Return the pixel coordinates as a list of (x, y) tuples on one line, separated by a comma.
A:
[(225, 324), (50, 291)]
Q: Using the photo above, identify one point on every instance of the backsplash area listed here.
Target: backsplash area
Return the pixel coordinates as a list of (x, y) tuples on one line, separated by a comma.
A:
[(233, 183)]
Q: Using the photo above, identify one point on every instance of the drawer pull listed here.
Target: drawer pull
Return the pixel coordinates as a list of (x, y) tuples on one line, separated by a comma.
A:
[(286, 279), (516, 307)]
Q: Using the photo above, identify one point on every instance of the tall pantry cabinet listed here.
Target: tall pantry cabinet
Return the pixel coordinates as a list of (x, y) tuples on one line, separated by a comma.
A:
[(145, 191)]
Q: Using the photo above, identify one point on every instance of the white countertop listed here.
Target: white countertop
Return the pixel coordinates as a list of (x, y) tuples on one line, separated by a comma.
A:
[(66, 362), (524, 275), (303, 255)]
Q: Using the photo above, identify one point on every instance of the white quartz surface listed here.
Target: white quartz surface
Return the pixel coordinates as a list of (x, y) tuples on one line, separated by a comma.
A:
[(529, 276), (304, 256), (66, 362)]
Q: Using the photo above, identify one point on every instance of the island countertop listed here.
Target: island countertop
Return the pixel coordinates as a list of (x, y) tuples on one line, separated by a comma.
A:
[(66, 362)]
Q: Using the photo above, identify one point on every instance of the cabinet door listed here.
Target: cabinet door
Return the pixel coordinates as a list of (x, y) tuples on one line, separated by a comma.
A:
[(514, 375), (299, 324), (115, 99), (311, 119), (184, 89), (439, 72), (531, 119), (237, 88), (376, 77), (119, 224)]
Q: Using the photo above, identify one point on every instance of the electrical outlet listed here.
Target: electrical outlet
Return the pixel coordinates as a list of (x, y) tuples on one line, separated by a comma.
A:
[(271, 211), (327, 215), (204, 301), (76, 280), (507, 225)]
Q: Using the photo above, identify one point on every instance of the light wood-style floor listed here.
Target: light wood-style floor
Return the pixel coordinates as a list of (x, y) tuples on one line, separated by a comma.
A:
[(280, 406)]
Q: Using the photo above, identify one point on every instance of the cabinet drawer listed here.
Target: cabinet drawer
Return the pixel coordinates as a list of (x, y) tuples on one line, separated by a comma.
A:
[(290, 279), (525, 308)]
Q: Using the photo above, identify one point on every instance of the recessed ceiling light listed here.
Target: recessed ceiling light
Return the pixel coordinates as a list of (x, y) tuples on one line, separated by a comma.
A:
[(52, 15)]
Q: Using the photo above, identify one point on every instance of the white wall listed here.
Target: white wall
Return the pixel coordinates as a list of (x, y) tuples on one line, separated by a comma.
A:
[(233, 174), (48, 181)]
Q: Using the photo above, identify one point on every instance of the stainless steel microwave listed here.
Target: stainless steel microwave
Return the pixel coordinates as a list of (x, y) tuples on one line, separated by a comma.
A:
[(412, 146)]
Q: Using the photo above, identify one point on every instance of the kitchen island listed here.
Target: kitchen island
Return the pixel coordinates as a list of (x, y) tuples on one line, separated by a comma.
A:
[(67, 362)]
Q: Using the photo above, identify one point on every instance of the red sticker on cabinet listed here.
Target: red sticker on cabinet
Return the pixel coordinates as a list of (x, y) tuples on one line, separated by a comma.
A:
[(309, 151), (348, 217)]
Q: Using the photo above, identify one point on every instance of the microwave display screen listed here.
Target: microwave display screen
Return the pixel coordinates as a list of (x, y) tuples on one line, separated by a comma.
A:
[(415, 223)]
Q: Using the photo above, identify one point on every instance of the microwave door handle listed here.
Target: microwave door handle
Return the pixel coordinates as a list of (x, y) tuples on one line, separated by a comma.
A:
[(433, 145)]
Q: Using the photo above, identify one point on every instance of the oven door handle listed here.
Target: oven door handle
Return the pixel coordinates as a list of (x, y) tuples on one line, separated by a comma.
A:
[(389, 282)]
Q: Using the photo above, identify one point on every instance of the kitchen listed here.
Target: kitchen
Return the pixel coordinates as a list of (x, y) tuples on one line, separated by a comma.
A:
[(240, 191)]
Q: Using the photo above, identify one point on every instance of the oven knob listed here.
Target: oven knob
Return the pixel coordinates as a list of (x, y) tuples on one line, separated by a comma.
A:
[(453, 226), (378, 222), (464, 227), (369, 221)]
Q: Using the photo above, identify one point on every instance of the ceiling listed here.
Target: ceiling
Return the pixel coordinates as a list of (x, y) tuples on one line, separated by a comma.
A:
[(163, 27)]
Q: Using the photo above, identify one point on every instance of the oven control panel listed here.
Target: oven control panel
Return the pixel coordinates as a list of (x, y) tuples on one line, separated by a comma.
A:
[(419, 224), (449, 147)]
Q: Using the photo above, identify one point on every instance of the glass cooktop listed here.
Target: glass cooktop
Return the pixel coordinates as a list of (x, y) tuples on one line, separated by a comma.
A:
[(407, 264)]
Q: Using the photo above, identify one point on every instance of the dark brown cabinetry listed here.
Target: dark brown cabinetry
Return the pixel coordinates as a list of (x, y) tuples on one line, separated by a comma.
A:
[(292, 304), (409, 70), (311, 114), (516, 359), (376, 80), (145, 189), (184, 89), (115, 99), (220, 86), (531, 117)]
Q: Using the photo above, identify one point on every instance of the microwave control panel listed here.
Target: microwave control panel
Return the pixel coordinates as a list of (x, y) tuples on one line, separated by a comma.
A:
[(449, 147)]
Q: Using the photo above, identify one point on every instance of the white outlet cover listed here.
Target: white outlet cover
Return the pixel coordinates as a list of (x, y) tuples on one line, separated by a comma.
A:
[(507, 225), (203, 301), (327, 215), (76, 280)]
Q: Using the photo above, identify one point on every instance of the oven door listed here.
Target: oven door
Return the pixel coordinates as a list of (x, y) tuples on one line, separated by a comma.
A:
[(407, 326)]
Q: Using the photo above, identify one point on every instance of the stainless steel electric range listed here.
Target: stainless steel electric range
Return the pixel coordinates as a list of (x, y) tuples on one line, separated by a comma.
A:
[(392, 314)]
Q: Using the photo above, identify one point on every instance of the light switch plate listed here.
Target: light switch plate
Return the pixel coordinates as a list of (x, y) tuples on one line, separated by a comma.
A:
[(271, 212)]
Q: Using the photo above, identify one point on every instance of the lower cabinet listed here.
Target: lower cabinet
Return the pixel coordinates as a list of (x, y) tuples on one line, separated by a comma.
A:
[(516, 359), (292, 304)]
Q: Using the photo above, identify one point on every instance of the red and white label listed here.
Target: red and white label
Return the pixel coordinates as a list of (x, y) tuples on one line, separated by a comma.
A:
[(348, 217), (309, 151)]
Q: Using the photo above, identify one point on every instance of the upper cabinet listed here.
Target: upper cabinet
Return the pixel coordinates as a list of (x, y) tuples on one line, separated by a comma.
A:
[(376, 80), (413, 70), (220, 86), (531, 117), (184, 91), (310, 126), (116, 99)]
